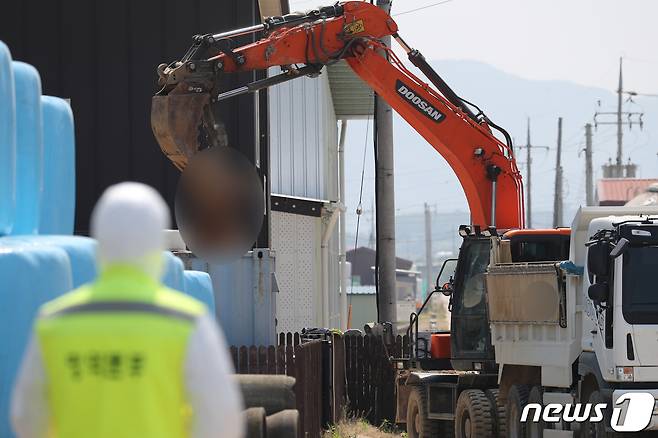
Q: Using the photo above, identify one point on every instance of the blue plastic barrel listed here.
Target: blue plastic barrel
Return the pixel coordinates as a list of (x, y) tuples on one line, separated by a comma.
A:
[(173, 273), (58, 196), (30, 275), (199, 285), (7, 142), (80, 250), (29, 148)]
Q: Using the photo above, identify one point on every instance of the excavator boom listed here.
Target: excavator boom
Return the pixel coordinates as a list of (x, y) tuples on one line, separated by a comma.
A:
[(301, 44)]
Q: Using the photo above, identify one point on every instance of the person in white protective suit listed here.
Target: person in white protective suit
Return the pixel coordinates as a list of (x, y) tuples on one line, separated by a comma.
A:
[(125, 356)]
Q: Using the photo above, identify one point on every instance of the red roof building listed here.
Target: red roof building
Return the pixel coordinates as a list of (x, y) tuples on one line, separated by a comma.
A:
[(618, 191)]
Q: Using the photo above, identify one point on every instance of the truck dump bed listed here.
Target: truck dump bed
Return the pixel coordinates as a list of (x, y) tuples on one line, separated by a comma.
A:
[(526, 293), (529, 321)]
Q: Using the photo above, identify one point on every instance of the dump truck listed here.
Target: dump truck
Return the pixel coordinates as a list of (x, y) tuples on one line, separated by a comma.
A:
[(581, 331)]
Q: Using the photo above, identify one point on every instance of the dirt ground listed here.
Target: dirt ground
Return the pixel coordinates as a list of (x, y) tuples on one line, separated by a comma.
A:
[(361, 429)]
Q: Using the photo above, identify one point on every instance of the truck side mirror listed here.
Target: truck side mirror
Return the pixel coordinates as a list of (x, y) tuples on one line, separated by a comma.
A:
[(598, 259), (598, 292), (447, 288)]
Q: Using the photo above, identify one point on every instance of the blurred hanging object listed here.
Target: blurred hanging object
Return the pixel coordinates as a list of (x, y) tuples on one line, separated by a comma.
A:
[(219, 204)]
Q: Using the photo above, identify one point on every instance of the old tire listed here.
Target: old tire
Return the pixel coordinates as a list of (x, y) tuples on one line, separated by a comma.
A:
[(255, 422), (418, 425), (517, 398), (473, 415), (497, 413), (283, 424), (274, 393)]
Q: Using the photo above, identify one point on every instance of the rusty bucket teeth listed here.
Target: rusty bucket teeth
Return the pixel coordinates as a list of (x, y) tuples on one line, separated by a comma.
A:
[(175, 120)]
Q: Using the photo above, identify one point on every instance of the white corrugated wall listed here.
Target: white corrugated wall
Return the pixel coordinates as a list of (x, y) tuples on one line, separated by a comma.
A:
[(303, 163), (303, 138)]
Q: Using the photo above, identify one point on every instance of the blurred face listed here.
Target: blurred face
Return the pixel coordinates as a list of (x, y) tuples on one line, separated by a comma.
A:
[(219, 205)]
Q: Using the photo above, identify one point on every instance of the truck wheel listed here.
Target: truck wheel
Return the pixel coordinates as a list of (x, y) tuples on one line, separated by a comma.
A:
[(418, 425), (536, 430), (497, 413), (597, 430), (473, 415), (517, 398)]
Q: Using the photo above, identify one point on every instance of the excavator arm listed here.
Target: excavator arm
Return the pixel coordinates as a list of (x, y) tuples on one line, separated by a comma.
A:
[(301, 44)]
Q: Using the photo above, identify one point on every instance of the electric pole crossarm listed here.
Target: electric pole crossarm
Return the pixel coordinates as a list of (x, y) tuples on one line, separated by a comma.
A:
[(529, 147)]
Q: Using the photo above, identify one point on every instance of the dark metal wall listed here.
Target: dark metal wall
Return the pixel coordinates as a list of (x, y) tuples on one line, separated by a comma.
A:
[(103, 55)]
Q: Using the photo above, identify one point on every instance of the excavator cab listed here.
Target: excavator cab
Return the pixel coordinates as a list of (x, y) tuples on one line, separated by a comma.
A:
[(470, 336), (470, 339)]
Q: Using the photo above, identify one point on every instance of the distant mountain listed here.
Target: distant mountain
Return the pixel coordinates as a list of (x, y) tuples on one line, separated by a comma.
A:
[(423, 176)]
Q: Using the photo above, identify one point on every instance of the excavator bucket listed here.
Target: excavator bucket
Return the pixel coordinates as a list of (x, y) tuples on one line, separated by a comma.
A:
[(176, 120)]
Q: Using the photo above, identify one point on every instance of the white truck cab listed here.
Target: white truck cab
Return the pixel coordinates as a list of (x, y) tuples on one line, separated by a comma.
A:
[(582, 330), (622, 297)]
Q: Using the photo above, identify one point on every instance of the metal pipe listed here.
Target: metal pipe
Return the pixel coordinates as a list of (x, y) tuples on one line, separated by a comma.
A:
[(417, 59), (233, 93), (406, 47), (493, 202), (238, 32), (342, 250), (324, 248), (260, 84)]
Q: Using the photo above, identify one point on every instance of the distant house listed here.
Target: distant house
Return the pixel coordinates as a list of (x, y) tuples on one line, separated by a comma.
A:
[(618, 191), (363, 261), (362, 296)]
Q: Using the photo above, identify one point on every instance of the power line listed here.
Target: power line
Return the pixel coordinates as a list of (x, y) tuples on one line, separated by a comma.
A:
[(422, 7)]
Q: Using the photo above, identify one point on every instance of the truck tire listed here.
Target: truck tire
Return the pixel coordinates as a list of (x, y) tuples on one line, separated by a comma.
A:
[(473, 415), (418, 425), (536, 430), (598, 430), (497, 413), (517, 398)]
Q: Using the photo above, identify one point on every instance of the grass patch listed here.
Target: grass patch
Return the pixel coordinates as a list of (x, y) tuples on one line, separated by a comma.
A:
[(360, 428)]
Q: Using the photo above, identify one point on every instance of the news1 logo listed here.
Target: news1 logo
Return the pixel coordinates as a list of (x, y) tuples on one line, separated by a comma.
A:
[(631, 412)]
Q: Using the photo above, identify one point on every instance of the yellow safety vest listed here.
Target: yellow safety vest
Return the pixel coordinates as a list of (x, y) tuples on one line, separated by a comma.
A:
[(114, 354)]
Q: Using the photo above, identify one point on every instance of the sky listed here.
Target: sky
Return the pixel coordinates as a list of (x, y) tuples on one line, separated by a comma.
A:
[(577, 41)]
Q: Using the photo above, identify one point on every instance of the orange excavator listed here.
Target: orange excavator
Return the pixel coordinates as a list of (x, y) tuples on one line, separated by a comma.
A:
[(452, 389), (302, 44)]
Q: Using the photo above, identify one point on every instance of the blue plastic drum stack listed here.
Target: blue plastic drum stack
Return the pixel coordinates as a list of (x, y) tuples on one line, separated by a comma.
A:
[(39, 257)]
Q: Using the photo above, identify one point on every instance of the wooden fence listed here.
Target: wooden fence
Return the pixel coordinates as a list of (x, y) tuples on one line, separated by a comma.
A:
[(337, 375), (308, 363), (370, 376)]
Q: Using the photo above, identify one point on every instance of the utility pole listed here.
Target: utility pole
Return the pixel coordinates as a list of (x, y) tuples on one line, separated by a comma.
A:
[(589, 177), (428, 248), (385, 198), (620, 131), (557, 200), (371, 240), (529, 146), (617, 171)]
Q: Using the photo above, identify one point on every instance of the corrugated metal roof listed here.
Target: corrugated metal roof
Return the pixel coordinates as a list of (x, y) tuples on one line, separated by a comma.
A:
[(353, 99), (621, 190)]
